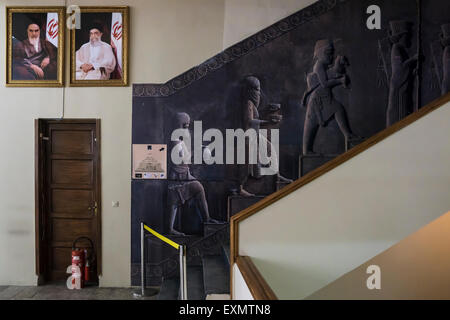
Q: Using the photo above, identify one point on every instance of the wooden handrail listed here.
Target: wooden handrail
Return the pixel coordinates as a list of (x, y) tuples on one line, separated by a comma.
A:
[(256, 283), (313, 175)]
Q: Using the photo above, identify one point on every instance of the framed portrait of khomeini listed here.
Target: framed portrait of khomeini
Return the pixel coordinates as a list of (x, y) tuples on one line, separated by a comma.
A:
[(35, 46), (99, 47)]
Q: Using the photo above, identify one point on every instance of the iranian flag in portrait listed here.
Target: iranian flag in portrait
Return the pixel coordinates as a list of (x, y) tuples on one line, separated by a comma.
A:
[(116, 43), (51, 30)]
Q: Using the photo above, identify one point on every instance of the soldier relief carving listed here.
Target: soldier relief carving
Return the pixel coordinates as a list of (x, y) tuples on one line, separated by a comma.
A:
[(400, 69), (251, 119), (440, 50), (182, 185), (321, 105)]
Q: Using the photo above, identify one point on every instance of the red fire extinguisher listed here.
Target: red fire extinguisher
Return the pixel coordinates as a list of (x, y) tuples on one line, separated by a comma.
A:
[(82, 259)]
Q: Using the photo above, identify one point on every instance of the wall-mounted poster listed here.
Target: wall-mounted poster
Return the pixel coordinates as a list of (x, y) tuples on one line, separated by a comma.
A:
[(149, 161), (99, 48), (35, 46)]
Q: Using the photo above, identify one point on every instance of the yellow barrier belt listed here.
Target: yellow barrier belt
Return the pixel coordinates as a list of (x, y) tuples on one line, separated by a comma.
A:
[(166, 240)]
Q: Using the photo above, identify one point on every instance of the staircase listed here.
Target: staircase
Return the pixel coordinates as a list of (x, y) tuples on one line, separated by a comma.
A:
[(208, 267), (352, 209), (354, 204)]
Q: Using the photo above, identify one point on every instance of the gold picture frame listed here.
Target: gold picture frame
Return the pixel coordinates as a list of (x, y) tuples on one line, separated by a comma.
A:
[(20, 61), (78, 76)]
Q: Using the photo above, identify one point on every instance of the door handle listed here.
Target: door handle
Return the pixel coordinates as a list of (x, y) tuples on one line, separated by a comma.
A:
[(95, 208)]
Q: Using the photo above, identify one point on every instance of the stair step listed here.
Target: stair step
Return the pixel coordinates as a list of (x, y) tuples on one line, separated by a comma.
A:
[(210, 228), (171, 286), (216, 274), (194, 261), (186, 239), (169, 289), (195, 287), (226, 251), (224, 296), (158, 250), (238, 203)]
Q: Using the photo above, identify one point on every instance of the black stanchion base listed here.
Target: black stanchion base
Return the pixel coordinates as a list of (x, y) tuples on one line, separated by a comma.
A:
[(148, 292)]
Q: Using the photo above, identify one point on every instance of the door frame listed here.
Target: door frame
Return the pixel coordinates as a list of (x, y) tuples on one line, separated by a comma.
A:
[(40, 201)]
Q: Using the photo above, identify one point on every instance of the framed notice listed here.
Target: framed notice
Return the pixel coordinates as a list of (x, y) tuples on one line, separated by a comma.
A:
[(149, 161)]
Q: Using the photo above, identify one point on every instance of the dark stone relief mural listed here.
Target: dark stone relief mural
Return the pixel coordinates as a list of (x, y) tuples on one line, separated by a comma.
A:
[(320, 76), (400, 70), (435, 36)]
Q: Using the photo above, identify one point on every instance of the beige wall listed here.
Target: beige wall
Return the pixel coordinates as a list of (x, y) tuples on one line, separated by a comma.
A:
[(416, 268), (167, 38), (332, 225), (246, 17)]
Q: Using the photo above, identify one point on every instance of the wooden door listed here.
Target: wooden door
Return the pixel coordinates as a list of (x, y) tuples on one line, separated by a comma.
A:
[(71, 192)]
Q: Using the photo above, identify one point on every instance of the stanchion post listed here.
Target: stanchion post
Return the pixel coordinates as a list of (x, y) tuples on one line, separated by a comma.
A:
[(183, 279), (142, 260), (143, 292)]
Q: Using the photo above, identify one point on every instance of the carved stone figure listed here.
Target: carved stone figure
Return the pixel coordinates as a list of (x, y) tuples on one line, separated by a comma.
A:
[(251, 98), (182, 185), (321, 105), (446, 58), (399, 68), (441, 58)]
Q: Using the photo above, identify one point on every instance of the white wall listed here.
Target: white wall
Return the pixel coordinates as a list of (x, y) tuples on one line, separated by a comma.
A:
[(167, 38), (354, 212), (416, 268), (240, 287)]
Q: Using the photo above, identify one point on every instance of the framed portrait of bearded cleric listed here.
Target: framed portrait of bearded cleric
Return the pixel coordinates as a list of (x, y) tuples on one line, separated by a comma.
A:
[(99, 47), (35, 46)]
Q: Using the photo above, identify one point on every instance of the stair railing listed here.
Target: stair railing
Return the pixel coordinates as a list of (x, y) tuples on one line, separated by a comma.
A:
[(144, 292), (318, 172)]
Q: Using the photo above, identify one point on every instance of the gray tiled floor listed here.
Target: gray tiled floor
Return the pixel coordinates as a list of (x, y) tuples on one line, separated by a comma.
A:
[(60, 292)]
